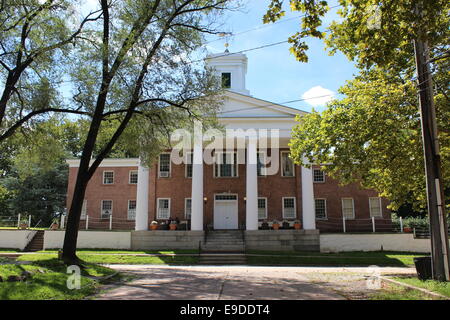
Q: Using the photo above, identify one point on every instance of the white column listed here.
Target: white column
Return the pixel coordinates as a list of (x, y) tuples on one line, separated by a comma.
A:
[(309, 217), (197, 181), (252, 186), (141, 222)]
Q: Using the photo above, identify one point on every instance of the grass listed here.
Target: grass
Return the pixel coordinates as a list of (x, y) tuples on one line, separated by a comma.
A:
[(111, 251), (397, 292), (431, 285), (48, 281), (393, 291), (118, 259), (378, 258)]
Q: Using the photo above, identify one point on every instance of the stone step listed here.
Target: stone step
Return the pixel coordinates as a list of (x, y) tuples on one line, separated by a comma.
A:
[(223, 259)]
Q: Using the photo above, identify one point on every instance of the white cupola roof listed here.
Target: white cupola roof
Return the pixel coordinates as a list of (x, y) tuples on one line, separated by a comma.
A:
[(231, 68)]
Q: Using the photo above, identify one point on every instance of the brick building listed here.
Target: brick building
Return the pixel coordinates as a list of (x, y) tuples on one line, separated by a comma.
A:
[(243, 186)]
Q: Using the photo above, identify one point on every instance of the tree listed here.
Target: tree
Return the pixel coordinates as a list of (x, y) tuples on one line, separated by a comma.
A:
[(379, 39), (373, 136), (134, 69), (35, 38), (394, 38)]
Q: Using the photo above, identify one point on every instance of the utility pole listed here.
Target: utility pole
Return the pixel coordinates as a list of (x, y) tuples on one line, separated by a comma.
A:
[(435, 192)]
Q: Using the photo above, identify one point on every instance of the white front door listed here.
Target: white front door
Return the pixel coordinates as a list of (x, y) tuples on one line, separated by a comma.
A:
[(225, 212)]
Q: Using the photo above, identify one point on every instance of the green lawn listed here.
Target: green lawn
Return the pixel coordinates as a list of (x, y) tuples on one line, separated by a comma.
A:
[(117, 258), (49, 281), (378, 258), (393, 291), (431, 285), (111, 251)]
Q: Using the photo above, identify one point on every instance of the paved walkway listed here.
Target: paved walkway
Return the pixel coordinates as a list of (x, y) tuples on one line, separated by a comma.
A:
[(227, 282)]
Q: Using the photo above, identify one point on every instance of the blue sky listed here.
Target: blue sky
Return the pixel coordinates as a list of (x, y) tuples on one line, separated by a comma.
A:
[(273, 73)]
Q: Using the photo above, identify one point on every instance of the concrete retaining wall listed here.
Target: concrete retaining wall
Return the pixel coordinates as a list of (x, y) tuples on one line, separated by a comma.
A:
[(282, 240), (339, 242), (15, 239), (162, 239), (90, 240)]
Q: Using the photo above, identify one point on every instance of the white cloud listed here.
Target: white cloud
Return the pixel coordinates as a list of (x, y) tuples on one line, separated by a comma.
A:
[(318, 96)]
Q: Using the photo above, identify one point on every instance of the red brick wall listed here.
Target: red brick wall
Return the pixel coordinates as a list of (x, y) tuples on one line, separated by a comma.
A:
[(120, 192), (177, 187)]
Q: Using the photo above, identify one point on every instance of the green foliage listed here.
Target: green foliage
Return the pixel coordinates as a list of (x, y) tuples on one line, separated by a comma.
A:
[(373, 134)]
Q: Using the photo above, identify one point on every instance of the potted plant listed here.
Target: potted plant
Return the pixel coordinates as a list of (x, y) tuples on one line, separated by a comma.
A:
[(265, 225), (54, 226), (297, 225), (275, 225), (173, 225), (153, 225), (285, 224), (23, 225)]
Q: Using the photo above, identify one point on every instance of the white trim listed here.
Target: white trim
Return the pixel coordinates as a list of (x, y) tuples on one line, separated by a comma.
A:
[(264, 165), (234, 201), (128, 162), (103, 177), (353, 207), (186, 164), (101, 208), (157, 208), (381, 208), (170, 164), (128, 210), (323, 173), (295, 207), (281, 167), (265, 211), (129, 176), (185, 208), (264, 103), (326, 213), (235, 165)]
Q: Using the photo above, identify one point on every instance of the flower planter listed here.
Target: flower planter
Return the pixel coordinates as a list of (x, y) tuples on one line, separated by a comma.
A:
[(173, 226), (153, 227), (297, 226), (275, 226), (407, 229), (54, 226), (23, 226)]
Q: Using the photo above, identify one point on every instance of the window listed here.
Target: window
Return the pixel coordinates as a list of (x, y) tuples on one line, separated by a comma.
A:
[(226, 164), (289, 208), (84, 210), (262, 208), (320, 207), (348, 208), (261, 168), (318, 175), (226, 80), (163, 211), (133, 178), (375, 207), (189, 160), (107, 206), (164, 165), (108, 177), (226, 197), (287, 166), (131, 209), (187, 208)]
